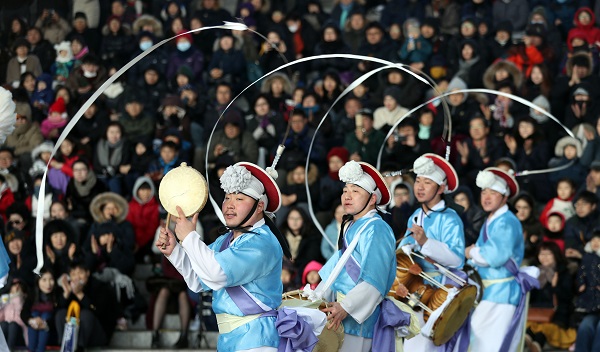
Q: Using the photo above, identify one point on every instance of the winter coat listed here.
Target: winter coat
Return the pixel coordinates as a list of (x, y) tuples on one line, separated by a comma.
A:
[(589, 275), (13, 68), (143, 216), (544, 297), (25, 138)]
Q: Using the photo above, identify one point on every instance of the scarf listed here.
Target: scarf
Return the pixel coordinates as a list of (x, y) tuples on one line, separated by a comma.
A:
[(546, 274), (110, 154), (464, 66), (84, 188), (82, 53), (294, 242), (167, 166)]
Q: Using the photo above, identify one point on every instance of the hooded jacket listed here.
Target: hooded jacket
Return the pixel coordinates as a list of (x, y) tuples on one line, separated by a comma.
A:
[(143, 216)]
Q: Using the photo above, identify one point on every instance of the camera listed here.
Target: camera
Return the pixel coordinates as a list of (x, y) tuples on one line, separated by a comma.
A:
[(398, 137)]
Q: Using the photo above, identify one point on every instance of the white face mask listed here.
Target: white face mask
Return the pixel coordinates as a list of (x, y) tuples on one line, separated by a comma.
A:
[(183, 46), (89, 74), (293, 28)]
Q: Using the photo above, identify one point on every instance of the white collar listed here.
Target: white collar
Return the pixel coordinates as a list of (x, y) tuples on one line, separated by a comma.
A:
[(503, 209), (256, 225), (439, 206)]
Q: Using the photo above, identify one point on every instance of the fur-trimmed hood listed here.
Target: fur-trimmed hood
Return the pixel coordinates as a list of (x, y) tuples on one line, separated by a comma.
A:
[(411, 194), (588, 249), (287, 84), (489, 76), (101, 199), (140, 181), (148, 20), (44, 147)]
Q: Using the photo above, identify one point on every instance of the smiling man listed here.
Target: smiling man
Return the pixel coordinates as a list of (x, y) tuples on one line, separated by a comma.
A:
[(369, 272), (435, 230), (497, 256), (243, 266)]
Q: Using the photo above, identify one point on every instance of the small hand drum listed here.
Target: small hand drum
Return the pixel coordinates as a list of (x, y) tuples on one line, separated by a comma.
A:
[(329, 340), (185, 187), (454, 315)]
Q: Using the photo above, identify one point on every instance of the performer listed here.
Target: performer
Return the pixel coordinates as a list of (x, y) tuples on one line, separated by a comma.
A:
[(497, 255), (243, 266), (368, 274), (435, 230)]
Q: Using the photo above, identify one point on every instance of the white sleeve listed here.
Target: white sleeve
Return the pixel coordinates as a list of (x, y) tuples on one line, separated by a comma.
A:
[(203, 262), (477, 258), (361, 301), (441, 253), (182, 263)]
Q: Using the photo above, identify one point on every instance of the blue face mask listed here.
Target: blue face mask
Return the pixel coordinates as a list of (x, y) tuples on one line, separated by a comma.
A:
[(145, 45), (312, 109), (183, 46)]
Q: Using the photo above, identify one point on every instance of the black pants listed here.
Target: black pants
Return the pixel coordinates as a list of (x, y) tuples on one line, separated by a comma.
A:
[(91, 333), (13, 334)]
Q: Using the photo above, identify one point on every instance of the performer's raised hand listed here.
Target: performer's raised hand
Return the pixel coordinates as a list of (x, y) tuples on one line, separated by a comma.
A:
[(418, 233), (166, 241), (335, 315), (184, 226)]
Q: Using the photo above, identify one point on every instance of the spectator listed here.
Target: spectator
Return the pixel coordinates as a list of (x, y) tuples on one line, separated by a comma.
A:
[(21, 261), (274, 52), (532, 228), (116, 42), (54, 27), (137, 124), (88, 77), (579, 228), (310, 276), (112, 157), (302, 36), (563, 202), (82, 188), (62, 163), (473, 216), (401, 206), (589, 300), (97, 302), (293, 191), (386, 116), (61, 246), (22, 62), (462, 108), (568, 149), (585, 21), (266, 127), (555, 292), (302, 239), (150, 24), (404, 145), (416, 50), (233, 140), (90, 127), (332, 42), (515, 11), (375, 45), (13, 326), (38, 311), (156, 60), (152, 87), (500, 45), (330, 186), (278, 88), (52, 126), (79, 48), (591, 151), (365, 142), (343, 10), (89, 33), (227, 63), (7, 197), (167, 160), (186, 54), (59, 211), (538, 83), (354, 30), (42, 97), (143, 215), (18, 29), (26, 135), (40, 47), (470, 65)]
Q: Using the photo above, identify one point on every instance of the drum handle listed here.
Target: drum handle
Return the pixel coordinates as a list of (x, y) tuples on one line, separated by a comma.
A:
[(168, 223)]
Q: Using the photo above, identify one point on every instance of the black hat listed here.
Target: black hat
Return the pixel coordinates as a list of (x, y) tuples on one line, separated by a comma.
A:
[(536, 29), (505, 26), (79, 15), (21, 42)]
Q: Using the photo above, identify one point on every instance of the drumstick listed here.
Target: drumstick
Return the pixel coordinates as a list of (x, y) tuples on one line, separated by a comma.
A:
[(419, 303), (164, 245), (429, 278), (447, 272)]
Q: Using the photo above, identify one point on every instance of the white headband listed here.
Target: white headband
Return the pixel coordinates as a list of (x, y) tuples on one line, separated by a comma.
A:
[(425, 167), (487, 179), (237, 179), (353, 173)]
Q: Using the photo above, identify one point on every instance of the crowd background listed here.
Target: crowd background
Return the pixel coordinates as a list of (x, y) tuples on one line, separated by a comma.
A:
[(101, 207)]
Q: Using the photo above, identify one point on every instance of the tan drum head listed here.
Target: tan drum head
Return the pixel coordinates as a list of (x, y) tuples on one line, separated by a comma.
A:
[(454, 315), (330, 340), (183, 186)]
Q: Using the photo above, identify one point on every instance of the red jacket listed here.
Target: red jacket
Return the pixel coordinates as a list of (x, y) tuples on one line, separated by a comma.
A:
[(145, 220), (6, 200)]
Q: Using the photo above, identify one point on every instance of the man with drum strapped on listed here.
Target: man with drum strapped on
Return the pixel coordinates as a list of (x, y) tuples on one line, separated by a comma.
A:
[(243, 266), (367, 275), (436, 231), (497, 322)]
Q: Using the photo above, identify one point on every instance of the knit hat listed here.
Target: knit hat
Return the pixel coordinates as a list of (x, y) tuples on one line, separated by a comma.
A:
[(13, 234), (505, 26), (187, 36), (393, 92), (340, 152), (58, 106), (536, 29), (543, 103), (186, 71), (79, 15), (23, 109), (21, 42), (111, 18)]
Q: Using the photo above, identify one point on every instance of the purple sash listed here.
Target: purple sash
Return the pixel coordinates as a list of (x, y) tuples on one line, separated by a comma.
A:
[(294, 332), (527, 283), (351, 266), (390, 317)]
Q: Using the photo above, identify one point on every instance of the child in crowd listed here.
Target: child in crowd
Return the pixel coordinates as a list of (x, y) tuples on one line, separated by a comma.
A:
[(40, 156), (568, 149), (57, 119), (64, 63), (310, 276), (288, 276), (38, 312), (167, 160), (43, 95), (588, 302), (10, 314), (143, 215), (579, 228), (563, 202), (554, 229)]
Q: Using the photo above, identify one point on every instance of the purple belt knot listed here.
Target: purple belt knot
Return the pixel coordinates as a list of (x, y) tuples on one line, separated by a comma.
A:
[(295, 333), (390, 317)]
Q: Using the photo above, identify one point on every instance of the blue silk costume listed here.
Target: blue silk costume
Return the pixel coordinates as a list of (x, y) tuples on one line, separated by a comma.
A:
[(253, 261), (374, 254), (442, 224), (504, 242)]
